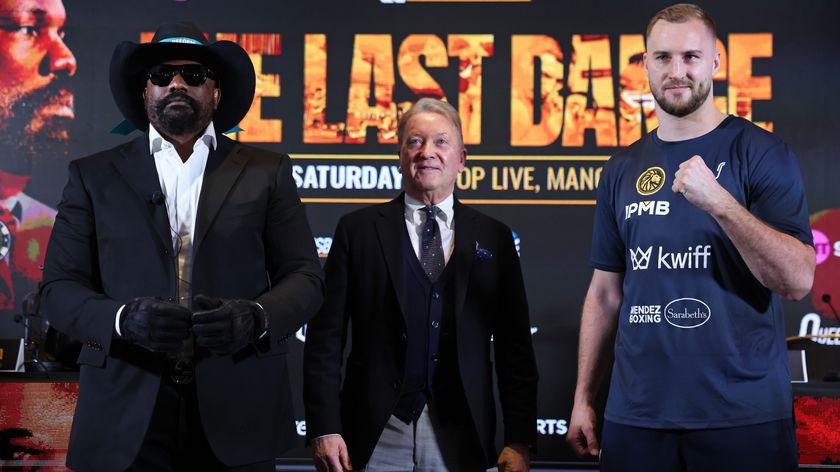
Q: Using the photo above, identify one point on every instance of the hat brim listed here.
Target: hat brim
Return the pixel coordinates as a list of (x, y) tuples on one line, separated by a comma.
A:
[(231, 64)]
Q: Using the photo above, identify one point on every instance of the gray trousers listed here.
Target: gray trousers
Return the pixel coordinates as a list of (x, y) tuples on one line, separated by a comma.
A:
[(422, 446)]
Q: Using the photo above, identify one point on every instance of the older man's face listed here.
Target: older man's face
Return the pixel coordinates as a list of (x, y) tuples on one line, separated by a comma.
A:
[(431, 156), (35, 103)]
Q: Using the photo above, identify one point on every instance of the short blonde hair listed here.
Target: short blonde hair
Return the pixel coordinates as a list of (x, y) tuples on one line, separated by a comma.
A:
[(681, 13)]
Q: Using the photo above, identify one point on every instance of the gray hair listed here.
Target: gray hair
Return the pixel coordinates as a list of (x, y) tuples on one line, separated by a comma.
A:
[(431, 105)]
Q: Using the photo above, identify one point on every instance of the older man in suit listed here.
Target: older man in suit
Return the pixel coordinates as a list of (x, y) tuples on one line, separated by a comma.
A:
[(424, 281), (182, 260)]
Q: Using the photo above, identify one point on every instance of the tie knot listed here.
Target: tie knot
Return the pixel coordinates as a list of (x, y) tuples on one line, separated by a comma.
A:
[(431, 211)]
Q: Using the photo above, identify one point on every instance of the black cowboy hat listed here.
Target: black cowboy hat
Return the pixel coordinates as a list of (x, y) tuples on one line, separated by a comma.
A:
[(231, 64)]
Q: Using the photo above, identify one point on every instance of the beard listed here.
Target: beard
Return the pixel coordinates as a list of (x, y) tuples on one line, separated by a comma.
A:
[(699, 94), (189, 118), (29, 133)]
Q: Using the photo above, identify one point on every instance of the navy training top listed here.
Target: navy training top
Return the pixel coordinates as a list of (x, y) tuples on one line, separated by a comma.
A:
[(701, 343)]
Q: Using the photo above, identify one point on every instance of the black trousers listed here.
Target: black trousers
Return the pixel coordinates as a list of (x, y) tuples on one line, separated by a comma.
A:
[(176, 440), (765, 447)]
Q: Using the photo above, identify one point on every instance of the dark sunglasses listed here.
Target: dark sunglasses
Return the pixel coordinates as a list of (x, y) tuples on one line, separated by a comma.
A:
[(193, 74)]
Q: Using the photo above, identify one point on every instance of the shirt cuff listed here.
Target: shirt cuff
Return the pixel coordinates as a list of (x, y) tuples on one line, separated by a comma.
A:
[(117, 321)]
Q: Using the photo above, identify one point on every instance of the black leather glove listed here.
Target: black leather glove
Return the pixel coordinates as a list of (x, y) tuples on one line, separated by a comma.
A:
[(226, 326), (154, 324)]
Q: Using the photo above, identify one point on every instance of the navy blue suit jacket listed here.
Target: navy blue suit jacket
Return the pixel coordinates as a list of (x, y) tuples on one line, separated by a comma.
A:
[(365, 290)]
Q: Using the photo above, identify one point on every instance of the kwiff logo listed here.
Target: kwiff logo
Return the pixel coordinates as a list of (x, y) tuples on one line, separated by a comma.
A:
[(690, 259), (696, 257), (640, 258)]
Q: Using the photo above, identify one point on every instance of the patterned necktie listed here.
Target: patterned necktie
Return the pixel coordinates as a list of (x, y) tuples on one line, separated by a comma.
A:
[(431, 248)]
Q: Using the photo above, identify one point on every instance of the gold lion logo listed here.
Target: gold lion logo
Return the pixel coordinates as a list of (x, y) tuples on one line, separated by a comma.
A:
[(650, 181)]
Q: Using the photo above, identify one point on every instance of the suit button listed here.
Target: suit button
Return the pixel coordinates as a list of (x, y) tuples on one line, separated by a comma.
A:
[(435, 358), (435, 324), (436, 295), (166, 252), (397, 385), (404, 336)]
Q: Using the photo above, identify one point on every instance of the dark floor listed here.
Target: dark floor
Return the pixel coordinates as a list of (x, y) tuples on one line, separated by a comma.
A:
[(542, 467)]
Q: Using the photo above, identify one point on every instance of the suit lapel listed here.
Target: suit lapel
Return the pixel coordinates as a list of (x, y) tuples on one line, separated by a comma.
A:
[(390, 227), (224, 164), (465, 239), (137, 167)]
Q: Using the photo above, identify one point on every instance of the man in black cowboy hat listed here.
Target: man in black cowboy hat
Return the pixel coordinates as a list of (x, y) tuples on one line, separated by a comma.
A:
[(182, 260)]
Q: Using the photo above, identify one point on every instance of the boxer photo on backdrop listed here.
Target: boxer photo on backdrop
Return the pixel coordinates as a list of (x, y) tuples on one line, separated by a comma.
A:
[(421, 284), (36, 106), (701, 228), (183, 260)]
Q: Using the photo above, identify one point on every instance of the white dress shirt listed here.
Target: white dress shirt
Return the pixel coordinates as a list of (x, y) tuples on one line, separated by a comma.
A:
[(180, 182), (415, 218)]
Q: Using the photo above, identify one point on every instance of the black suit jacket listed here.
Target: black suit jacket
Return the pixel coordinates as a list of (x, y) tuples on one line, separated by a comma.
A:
[(364, 288), (111, 242)]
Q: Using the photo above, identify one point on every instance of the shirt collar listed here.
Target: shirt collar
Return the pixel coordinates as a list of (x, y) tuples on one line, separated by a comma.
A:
[(447, 210), (158, 142)]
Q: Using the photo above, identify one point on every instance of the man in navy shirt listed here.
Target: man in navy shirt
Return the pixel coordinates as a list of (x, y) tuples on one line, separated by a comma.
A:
[(687, 284)]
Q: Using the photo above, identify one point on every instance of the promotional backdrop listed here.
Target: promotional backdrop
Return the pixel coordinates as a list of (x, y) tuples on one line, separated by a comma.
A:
[(547, 90)]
